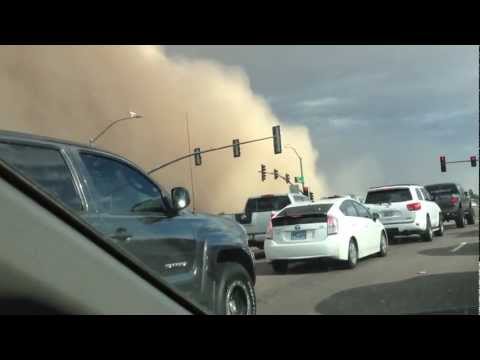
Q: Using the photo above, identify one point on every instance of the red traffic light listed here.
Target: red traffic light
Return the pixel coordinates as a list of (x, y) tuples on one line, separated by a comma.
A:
[(473, 161)]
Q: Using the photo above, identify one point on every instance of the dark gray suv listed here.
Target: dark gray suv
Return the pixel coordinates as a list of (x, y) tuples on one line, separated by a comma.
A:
[(204, 257), (454, 202)]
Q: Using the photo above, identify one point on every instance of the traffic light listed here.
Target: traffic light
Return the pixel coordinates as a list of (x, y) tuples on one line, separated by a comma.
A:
[(287, 178), (277, 141), (198, 157), (443, 164), (311, 196), (473, 161), (305, 191), (275, 174), (263, 170), (236, 148)]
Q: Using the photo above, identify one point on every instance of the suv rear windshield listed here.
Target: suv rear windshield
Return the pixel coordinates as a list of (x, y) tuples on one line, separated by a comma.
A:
[(442, 189), (388, 196), (273, 203)]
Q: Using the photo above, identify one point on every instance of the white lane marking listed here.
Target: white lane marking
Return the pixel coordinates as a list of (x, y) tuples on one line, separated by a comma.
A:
[(459, 247)]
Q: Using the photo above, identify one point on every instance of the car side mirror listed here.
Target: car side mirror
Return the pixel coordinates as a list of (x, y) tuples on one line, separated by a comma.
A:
[(375, 216), (180, 198)]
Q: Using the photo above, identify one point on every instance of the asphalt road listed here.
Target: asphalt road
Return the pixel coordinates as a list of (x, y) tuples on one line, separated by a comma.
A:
[(415, 277)]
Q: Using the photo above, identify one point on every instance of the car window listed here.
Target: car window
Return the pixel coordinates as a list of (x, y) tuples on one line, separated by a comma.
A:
[(46, 168), (273, 203), (419, 194), (362, 211), (305, 210), (348, 209), (388, 196), (120, 188), (426, 195), (442, 189)]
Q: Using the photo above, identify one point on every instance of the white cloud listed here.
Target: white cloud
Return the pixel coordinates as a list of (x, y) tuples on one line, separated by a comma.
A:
[(328, 101), (342, 122)]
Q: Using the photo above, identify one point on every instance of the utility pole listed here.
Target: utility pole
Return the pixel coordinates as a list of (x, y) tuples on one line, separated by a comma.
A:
[(190, 164)]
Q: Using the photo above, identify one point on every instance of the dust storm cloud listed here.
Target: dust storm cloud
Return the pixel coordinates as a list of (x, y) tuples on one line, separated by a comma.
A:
[(73, 92)]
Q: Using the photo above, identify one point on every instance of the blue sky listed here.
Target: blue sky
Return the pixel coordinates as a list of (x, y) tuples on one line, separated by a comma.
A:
[(376, 114)]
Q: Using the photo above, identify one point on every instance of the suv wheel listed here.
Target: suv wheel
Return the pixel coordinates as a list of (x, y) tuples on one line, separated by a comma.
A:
[(428, 234), (280, 266), (441, 229), (460, 220), (235, 293), (470, 217)]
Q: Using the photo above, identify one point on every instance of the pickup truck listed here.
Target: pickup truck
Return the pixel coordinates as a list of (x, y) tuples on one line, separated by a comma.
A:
[(203, 257), (258, 212), (454, 201)]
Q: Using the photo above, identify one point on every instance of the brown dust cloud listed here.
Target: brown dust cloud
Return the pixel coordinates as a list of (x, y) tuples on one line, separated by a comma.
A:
[(73, 92)]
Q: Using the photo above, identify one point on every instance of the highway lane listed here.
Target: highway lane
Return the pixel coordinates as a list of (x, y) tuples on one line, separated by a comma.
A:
[(415, 277)]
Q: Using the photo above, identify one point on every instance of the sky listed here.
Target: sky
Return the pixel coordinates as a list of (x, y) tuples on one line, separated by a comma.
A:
[(376, 114)]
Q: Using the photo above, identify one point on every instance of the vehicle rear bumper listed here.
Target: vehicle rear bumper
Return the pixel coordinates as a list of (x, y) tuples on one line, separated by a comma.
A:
[(256, 238), (449, 214), (325, 248), (403, 229)]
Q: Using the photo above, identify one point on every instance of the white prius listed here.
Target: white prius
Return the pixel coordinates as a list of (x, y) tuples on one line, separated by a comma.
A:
[(340, 228)]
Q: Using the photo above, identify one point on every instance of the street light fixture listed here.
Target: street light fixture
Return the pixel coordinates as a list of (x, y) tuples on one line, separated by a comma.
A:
[(131, 115), (300, 159)]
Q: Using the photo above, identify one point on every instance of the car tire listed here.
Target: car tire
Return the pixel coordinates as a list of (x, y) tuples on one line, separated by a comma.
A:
[(383, 245), (460, 219), (280, 266), (235, 294), (352, 255), (470, 217), (428, 233), (441, 230)]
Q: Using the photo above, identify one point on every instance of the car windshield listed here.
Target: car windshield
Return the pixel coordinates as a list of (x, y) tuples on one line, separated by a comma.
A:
[(252, 179), (388, 196)]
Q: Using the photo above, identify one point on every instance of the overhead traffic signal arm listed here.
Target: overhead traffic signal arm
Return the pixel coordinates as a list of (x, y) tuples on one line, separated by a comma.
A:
[(277, 148)]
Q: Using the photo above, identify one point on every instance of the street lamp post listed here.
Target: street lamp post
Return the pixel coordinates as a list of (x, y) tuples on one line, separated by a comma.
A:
[(300, 159), (131, 115)]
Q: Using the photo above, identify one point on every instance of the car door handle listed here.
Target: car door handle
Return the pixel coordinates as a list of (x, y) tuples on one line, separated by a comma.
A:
[(122, 237)]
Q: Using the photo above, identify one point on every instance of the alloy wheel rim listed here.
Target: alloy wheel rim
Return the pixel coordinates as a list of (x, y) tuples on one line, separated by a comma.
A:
[(237, 299)]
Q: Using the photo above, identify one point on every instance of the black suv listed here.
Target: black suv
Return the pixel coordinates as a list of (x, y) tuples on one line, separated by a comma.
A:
[(454, 202), (203, 257)]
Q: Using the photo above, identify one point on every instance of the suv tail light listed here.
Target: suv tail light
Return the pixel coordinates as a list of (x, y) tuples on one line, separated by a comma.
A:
[(454, 199), (414, 206), (332, 225)]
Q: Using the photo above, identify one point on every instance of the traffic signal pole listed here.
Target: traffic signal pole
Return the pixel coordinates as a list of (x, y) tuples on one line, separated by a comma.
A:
[(204, 152)]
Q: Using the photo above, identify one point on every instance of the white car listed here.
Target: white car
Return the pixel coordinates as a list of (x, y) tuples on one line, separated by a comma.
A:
[(339, 228), (406, 210)]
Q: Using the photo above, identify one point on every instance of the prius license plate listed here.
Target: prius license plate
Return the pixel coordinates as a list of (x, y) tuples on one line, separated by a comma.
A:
[(299, 235)]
